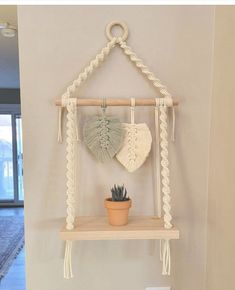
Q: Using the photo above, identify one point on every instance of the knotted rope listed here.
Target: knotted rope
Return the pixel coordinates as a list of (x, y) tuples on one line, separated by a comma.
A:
[(165, 257), (71, 150)]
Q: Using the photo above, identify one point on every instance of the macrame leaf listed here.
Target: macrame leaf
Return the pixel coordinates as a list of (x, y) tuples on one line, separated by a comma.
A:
[(136, 146), (103, 135)]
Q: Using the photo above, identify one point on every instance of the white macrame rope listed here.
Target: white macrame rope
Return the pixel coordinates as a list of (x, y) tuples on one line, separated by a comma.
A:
[(71, 162), (158, 201), (95, 63), (132, 108), (173, 124), (60, 117), (71, 139), (143, 68), (162, 105), (165, 180), (166, 257), (68, 271)]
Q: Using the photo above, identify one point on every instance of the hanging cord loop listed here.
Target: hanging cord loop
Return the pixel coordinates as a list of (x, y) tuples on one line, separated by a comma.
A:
[(122, 25)]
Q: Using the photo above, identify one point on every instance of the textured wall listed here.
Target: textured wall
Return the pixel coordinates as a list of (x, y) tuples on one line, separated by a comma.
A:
[(176, 42)]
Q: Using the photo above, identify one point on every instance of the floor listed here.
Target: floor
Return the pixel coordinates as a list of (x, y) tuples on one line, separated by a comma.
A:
[(15, 278)]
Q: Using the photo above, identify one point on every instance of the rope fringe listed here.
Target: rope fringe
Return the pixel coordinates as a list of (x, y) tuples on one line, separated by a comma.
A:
[(166, 258), (160, 250), (60, 116), (173, 124), (68, 271), (76, 124)]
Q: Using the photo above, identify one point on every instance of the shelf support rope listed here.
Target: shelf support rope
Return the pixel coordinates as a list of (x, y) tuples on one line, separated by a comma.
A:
[(165, 256), (71, 148), (68, 101)]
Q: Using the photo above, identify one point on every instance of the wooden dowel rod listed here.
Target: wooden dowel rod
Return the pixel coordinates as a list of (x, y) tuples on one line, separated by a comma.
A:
[(115, 102)]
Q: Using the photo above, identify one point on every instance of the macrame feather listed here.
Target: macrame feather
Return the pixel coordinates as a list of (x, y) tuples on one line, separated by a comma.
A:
[(103, 135), (136, 146)]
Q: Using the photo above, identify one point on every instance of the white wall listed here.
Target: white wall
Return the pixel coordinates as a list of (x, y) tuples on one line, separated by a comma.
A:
[(55, 44), (221, 214)]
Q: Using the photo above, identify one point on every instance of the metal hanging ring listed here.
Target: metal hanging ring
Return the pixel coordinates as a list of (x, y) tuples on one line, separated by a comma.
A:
[(120, 24)]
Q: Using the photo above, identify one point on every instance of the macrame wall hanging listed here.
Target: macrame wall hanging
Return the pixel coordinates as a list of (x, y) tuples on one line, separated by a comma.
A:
[(100, 134)]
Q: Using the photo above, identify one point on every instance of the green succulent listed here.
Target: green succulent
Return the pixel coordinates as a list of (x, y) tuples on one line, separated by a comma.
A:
[(119, 193)]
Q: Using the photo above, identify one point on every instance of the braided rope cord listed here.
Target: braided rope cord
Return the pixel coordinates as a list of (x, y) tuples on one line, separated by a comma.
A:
[(165, 166), (143, 68), (71, 164), (165, 254), (95, 63)]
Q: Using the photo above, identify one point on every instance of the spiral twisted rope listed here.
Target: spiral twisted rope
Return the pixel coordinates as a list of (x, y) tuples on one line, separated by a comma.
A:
[(164, 165), (71, 164), (99, 58), (95, 63), (71, 180), (143, 68)]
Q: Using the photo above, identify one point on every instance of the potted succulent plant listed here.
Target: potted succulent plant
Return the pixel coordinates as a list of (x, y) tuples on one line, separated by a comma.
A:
[(118, 206)]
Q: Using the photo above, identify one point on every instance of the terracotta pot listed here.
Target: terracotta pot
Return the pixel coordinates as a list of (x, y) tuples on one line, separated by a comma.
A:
[(117, 211)]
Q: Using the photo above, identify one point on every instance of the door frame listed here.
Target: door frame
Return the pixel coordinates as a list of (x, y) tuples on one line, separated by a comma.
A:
[(13, 110)]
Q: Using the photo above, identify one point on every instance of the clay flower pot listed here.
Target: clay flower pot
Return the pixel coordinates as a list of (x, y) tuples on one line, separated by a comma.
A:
[(117, 211)]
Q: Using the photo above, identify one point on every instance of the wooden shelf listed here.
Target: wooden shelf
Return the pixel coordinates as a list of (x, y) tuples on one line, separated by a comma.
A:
[(138, 228)]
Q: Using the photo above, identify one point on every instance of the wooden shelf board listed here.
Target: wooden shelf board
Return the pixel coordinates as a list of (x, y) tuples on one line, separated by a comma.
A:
[(138, 228)]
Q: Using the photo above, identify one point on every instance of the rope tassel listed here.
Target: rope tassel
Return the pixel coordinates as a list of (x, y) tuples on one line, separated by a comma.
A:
[(173, 124), (60, 116), (166, 258), (68, 271)]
